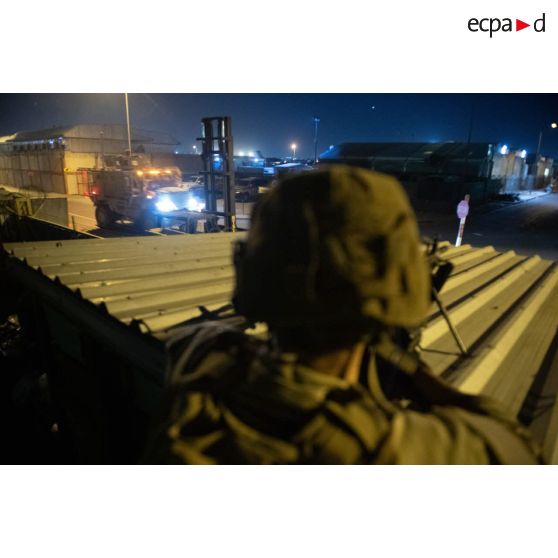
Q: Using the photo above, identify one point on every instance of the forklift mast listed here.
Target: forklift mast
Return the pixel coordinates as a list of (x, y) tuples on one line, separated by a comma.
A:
[(218, 165)]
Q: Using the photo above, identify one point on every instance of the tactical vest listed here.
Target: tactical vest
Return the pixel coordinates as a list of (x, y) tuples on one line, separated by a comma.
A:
[(230, 399)]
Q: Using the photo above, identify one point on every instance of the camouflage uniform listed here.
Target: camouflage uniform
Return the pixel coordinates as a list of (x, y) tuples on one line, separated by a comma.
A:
[(332, 258), (234, 401)]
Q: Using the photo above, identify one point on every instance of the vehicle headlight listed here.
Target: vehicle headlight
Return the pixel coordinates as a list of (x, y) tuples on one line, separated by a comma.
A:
[(165, 205), (195, 204)]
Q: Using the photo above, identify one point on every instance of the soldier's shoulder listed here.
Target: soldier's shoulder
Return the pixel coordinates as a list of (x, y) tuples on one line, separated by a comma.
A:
[(235, 402), (453, 435)]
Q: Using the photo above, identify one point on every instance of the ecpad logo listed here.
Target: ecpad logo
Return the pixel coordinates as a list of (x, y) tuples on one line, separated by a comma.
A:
[(493, 25)]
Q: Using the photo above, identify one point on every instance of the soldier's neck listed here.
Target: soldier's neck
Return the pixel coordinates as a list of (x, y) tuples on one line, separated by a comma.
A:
[(343, 363)]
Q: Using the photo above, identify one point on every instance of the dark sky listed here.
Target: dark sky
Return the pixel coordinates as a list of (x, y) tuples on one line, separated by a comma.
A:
[(271, 122)]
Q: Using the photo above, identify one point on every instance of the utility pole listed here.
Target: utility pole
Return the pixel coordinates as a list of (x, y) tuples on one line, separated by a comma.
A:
[(471, 119), (102, 136), (316, 125), (538, 147), (128, 126), (537, 155)]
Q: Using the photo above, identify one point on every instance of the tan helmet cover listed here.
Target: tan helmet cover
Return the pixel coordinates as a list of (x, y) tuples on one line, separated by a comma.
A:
[(333, 246)]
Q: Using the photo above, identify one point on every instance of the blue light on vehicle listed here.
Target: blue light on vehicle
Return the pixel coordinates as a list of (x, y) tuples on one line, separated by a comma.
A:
[(195, 204), (165, 205)]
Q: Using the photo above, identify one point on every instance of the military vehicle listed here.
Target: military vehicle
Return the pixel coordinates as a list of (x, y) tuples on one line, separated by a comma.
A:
[(147, 196)]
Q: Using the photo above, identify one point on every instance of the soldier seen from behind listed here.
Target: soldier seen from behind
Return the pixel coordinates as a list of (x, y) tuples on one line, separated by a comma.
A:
[(334, 267)]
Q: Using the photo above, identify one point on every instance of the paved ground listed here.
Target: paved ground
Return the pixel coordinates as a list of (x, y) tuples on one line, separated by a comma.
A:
[(528, 227), (81, 212)]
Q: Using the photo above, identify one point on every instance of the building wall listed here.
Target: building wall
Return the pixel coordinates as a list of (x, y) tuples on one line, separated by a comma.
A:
[(511, 169), (113, 146), (541, 173), (37, 169), (50, 160)]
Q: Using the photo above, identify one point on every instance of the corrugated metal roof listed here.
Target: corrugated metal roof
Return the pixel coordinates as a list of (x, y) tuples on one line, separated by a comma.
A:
[(504, 305), (149, 278), (91, 131), (159, 283)]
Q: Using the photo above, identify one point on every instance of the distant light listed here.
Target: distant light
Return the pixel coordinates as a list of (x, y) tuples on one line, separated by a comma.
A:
[(504, 150), (256, 160), (523, 154), (241, 153), (546, 172), (293, 146), (250, 153), (176, 152), (554, 125)]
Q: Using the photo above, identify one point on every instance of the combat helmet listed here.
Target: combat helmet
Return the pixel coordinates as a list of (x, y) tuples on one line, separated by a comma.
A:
[(335, 249)]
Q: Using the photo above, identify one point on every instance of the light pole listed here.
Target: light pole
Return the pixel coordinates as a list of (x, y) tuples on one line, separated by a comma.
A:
[(128, 126), (293, 147), (316, 125), (553, 125), (538, 147)]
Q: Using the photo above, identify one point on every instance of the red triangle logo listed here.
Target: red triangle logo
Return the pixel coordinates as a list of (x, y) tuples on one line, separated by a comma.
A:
[(519, 25)]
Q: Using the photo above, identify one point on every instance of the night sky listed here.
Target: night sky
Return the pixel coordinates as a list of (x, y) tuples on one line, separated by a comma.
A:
[(271, 122)]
